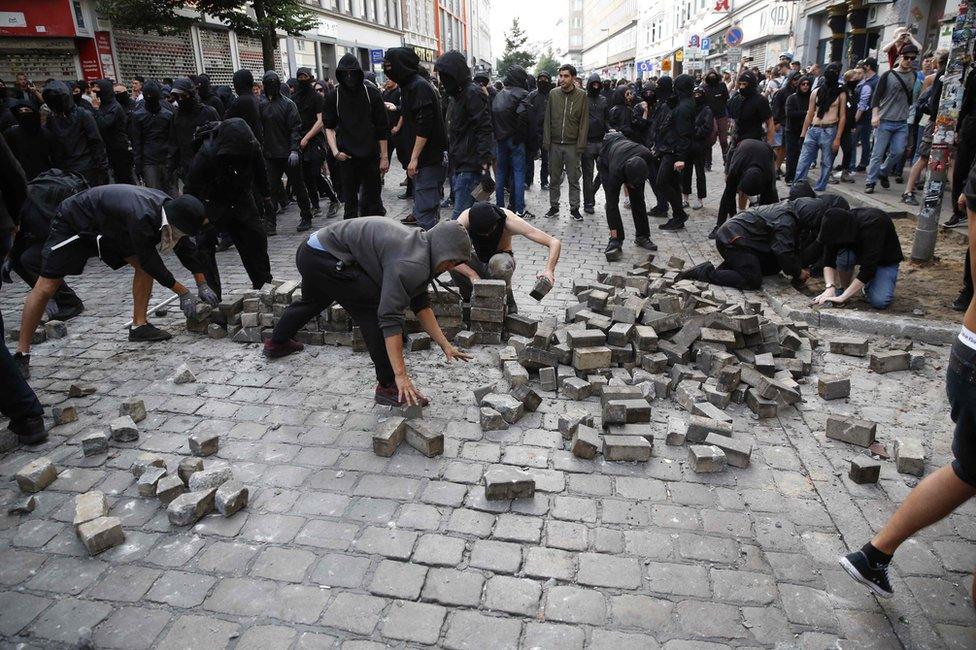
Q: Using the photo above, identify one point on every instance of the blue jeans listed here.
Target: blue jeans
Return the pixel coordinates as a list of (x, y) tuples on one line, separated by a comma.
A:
[(462, 184), (864, 132), (819, 139), (880, 291), (427, 189), (893, 137), (511, 155)]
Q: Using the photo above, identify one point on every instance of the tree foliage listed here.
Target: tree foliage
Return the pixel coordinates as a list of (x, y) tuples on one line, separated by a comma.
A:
[(516, 51), (547, 63)]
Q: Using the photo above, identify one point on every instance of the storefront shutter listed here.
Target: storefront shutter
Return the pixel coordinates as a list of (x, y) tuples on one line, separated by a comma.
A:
[(154, 56), (217, 62)]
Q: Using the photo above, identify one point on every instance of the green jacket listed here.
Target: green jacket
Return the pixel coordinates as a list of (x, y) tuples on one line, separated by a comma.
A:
[(567, 119)]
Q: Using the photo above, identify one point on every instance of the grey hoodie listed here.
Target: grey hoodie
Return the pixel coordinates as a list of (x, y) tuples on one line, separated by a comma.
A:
[(399, 259)]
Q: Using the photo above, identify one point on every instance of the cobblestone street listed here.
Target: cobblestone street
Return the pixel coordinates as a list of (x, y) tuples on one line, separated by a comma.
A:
[(340, 548)]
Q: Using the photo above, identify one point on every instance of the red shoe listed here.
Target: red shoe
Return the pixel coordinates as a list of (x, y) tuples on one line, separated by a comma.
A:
[(274, 350), (390, 396)]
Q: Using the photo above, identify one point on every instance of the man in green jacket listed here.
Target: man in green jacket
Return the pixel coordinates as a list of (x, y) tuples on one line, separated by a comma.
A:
[(564, 135)]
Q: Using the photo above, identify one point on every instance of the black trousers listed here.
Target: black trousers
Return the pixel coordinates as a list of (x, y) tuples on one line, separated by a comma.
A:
[(965, 155), (669, 185), (847, 148), (335, 189), (121, 163), (653, 169), (742, 268), (793, 147), (729, 205), (637, 207), (323, 285), (361, 174), (17, 399), (238, 219), (590, 184), (696, 164), (278, 167), (26, 258), (530, 167)]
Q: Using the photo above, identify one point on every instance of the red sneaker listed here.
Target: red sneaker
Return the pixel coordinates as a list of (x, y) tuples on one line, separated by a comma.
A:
[(390, 396), (274, 350)]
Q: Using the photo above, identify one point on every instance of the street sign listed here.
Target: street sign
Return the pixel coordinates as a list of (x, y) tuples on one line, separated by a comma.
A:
[(694, 41), (706, 44), (376, 56), (734, 54), (643, 66), (666, 65), (679, 56), (733, 37)]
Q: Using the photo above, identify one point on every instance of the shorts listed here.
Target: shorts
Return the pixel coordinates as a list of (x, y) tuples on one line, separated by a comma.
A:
[(925, 146), (961, 389), (70, 259)]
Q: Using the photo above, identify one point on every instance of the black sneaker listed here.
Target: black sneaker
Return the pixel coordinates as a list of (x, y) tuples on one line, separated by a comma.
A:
[(588, 209), (544, 186), (575, 213), (714, 233), (23, 364), (30, 431), (884, 182), (553, 212), (874, 578), (303, 225), (908, 198), (148, 333), (526, 215), (657, 213), (405, 196), (646, 243), (613, 245), (956, 221), (962, 301), (674, 223), (899, 180), (701, 271), (67, 312), (869, 188), (224, 244)]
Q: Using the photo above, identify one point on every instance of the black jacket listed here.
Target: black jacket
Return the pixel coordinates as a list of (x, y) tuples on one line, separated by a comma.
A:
[(13, 192), (766, 229), (599, 115), (750, 112), (676, 128), (281, 125), (186, 120), (228, 165), (718, 95), (420, 106), (511, 109), (796, 111), (870, 234), (78, 146), (809, 213), (355, 111), (131, 218), (32, 146), (208, 96), (246, 105), (615, 151), (150, 129), (621, 115), (112, 119), (749, 153), (704, 122), (539, 99), (468, 116)]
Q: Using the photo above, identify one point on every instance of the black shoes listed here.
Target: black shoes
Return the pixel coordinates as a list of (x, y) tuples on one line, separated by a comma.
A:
[(701, 271), (657, 213), (405, 196), (908, 198), (646, 243), (575, 213), (613, 245), (674, 223), (956, 221), (224, 244), (270, 228), (588, 209), (23, 364), (30, 431), (303, 225), (544, 186), (553, 212), (874, 578), (714, 233), (869, 188), (148, 333), (316, 211), (962, 301), (69, 311), (884, 182)]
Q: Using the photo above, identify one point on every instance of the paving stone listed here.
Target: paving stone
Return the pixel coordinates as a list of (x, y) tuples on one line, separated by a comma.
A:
[(36, 475), (193, 631), (181, 589), (854, 346), (184, 375), (168, 488), (677, 579), (123, 429), (575, 605), (94, 443), (832, 387), (453, 587), (586, 442), (290, 565), (149, 480), (513, 595), (211, 477), (230, 498), (510, 408), (64, 415), (439, 550), (414, 622), (135, 408), (885, 362), (261, 637), (508, 483), (864, 470), (909, 456), (738, 452), (89, 506), (706, 458), (204, 444), (498, 557), (62, 621), (517, 528), (134, 628), (396, 544), (851, 430), (468, 630), (491, 420), (423, 439), (529, 398), (700, 427), (188, 467), (187, 508), (626, 448), (611, 640), (710, 620), (601, 570), (101, 534), (549, 563)]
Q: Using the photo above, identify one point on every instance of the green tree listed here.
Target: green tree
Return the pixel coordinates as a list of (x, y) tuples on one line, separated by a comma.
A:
[(515, 52), (163, 17), (547, 63)]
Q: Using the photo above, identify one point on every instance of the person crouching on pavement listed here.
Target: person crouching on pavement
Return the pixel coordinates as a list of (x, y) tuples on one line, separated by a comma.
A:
[(623, 162), (121, 224), (376, 269), (491, 229)]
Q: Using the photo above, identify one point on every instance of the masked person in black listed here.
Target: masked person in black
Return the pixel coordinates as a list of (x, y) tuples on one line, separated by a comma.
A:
[(6, 117), (777, 105), (673, 147), (78, 89), (539, 98), (796, 112), (31, 145), (751, 112), (702, 141), (648, 117), (392, 97), (355, 121), (718, 101), (113, 125), (225, 170), (207, 94), (121, 224), (152, 124), (78, 146), (246, 105), (190, 115), (313, 145), (622, 163), (750, 173), (598, 117), (621, 112)]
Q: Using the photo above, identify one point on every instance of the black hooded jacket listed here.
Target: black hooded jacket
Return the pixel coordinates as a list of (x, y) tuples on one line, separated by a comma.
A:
[(228, 166), (246, 105), (868, 232), (32, 146), (718, 95), (355, 111), (749, 154), (809, 213), (621, 116), (468, 116), (280, 122), (309, 103), (599, 115), (796, 108), (615, 151), (152, 123), (130, 217), (778, 103), (189, 116), (539, 99), (111, 118), (78, 146), (420, 106), (750, 110), (511, 109), (766, 229), (676, 129), (208, 96), (658, 113)]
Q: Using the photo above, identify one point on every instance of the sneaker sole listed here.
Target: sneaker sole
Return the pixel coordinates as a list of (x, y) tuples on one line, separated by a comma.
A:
[(385, 401), (960, 224), (854, 573)]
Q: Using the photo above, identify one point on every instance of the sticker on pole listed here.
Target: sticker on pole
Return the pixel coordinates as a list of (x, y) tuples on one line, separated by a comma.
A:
[(733, 37)]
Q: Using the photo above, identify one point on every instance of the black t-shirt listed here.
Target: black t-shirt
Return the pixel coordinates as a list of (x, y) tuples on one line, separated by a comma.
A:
[(310, 105), (750, 113)]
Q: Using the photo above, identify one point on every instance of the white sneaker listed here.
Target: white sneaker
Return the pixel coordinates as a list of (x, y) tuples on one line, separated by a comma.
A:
[(627, 203), (696, 204)]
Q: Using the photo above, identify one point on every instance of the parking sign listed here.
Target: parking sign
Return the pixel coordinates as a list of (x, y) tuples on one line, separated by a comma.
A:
[(706, 44)]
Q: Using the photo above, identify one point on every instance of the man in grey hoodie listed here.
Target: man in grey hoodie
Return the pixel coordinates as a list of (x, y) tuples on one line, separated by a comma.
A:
[(376, 269)]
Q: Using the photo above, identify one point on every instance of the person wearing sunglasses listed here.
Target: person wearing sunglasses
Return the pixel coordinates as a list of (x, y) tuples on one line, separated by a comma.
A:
[(889, 114)]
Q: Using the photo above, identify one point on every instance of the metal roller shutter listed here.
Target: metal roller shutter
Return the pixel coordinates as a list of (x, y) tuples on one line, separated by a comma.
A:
[(217, 61), (154, 56), (40, 58), (249, 51), (758, 54)]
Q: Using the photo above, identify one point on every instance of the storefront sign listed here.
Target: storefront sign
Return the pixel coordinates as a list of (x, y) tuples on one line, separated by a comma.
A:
[(328, 28), (425, 54), (103, 43), (12, 19), (376, 57), (91, 69)]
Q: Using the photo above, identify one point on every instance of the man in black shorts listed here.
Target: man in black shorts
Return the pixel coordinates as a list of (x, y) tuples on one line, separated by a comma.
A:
[(121, 224), (950, 486)]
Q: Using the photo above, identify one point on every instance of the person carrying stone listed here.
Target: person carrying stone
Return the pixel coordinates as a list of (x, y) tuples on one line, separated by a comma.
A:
[(376, 269)]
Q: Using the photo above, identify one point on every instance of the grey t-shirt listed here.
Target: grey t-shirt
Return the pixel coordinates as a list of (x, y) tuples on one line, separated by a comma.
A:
[(891, 97)]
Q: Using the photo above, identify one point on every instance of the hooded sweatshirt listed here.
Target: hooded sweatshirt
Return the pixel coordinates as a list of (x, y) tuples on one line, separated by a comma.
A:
[(420, 106), (190, 115), (112, 120), (207, 95), (766, 229), (31, 145), (615, 152), (868, 232), (796, 106), (778, 103), (676, 129), (355, 111), (755, 158), (228, 166), (809, 213), (539, 98), (599, 110), (511, 109), (399, 259), (78, 146), (280, 122), (468, 115), (309, 102), (151, 125), (750, 110), (718, 94), (246, 105), (621, 115)]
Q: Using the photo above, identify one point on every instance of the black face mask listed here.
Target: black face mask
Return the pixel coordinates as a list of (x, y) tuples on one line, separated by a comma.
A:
[(189, 101), (348, 81), (28, 120), (152, 102), (304, 85), (593, 91), (122, 98), (451, 86), (78, 97)]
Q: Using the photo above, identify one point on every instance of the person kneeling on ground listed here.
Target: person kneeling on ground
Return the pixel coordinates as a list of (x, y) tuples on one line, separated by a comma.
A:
[(491, 229), (864, 237), (623, 162), (121, 224), (376, 269), (751, 172)]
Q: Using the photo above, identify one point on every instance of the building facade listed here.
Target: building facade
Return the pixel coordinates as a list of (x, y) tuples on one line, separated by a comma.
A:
[(418, 30), (479, 34), (609, 37), (451, 25)]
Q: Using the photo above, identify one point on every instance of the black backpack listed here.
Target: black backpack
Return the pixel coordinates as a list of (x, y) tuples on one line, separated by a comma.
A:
[(44, 195)]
